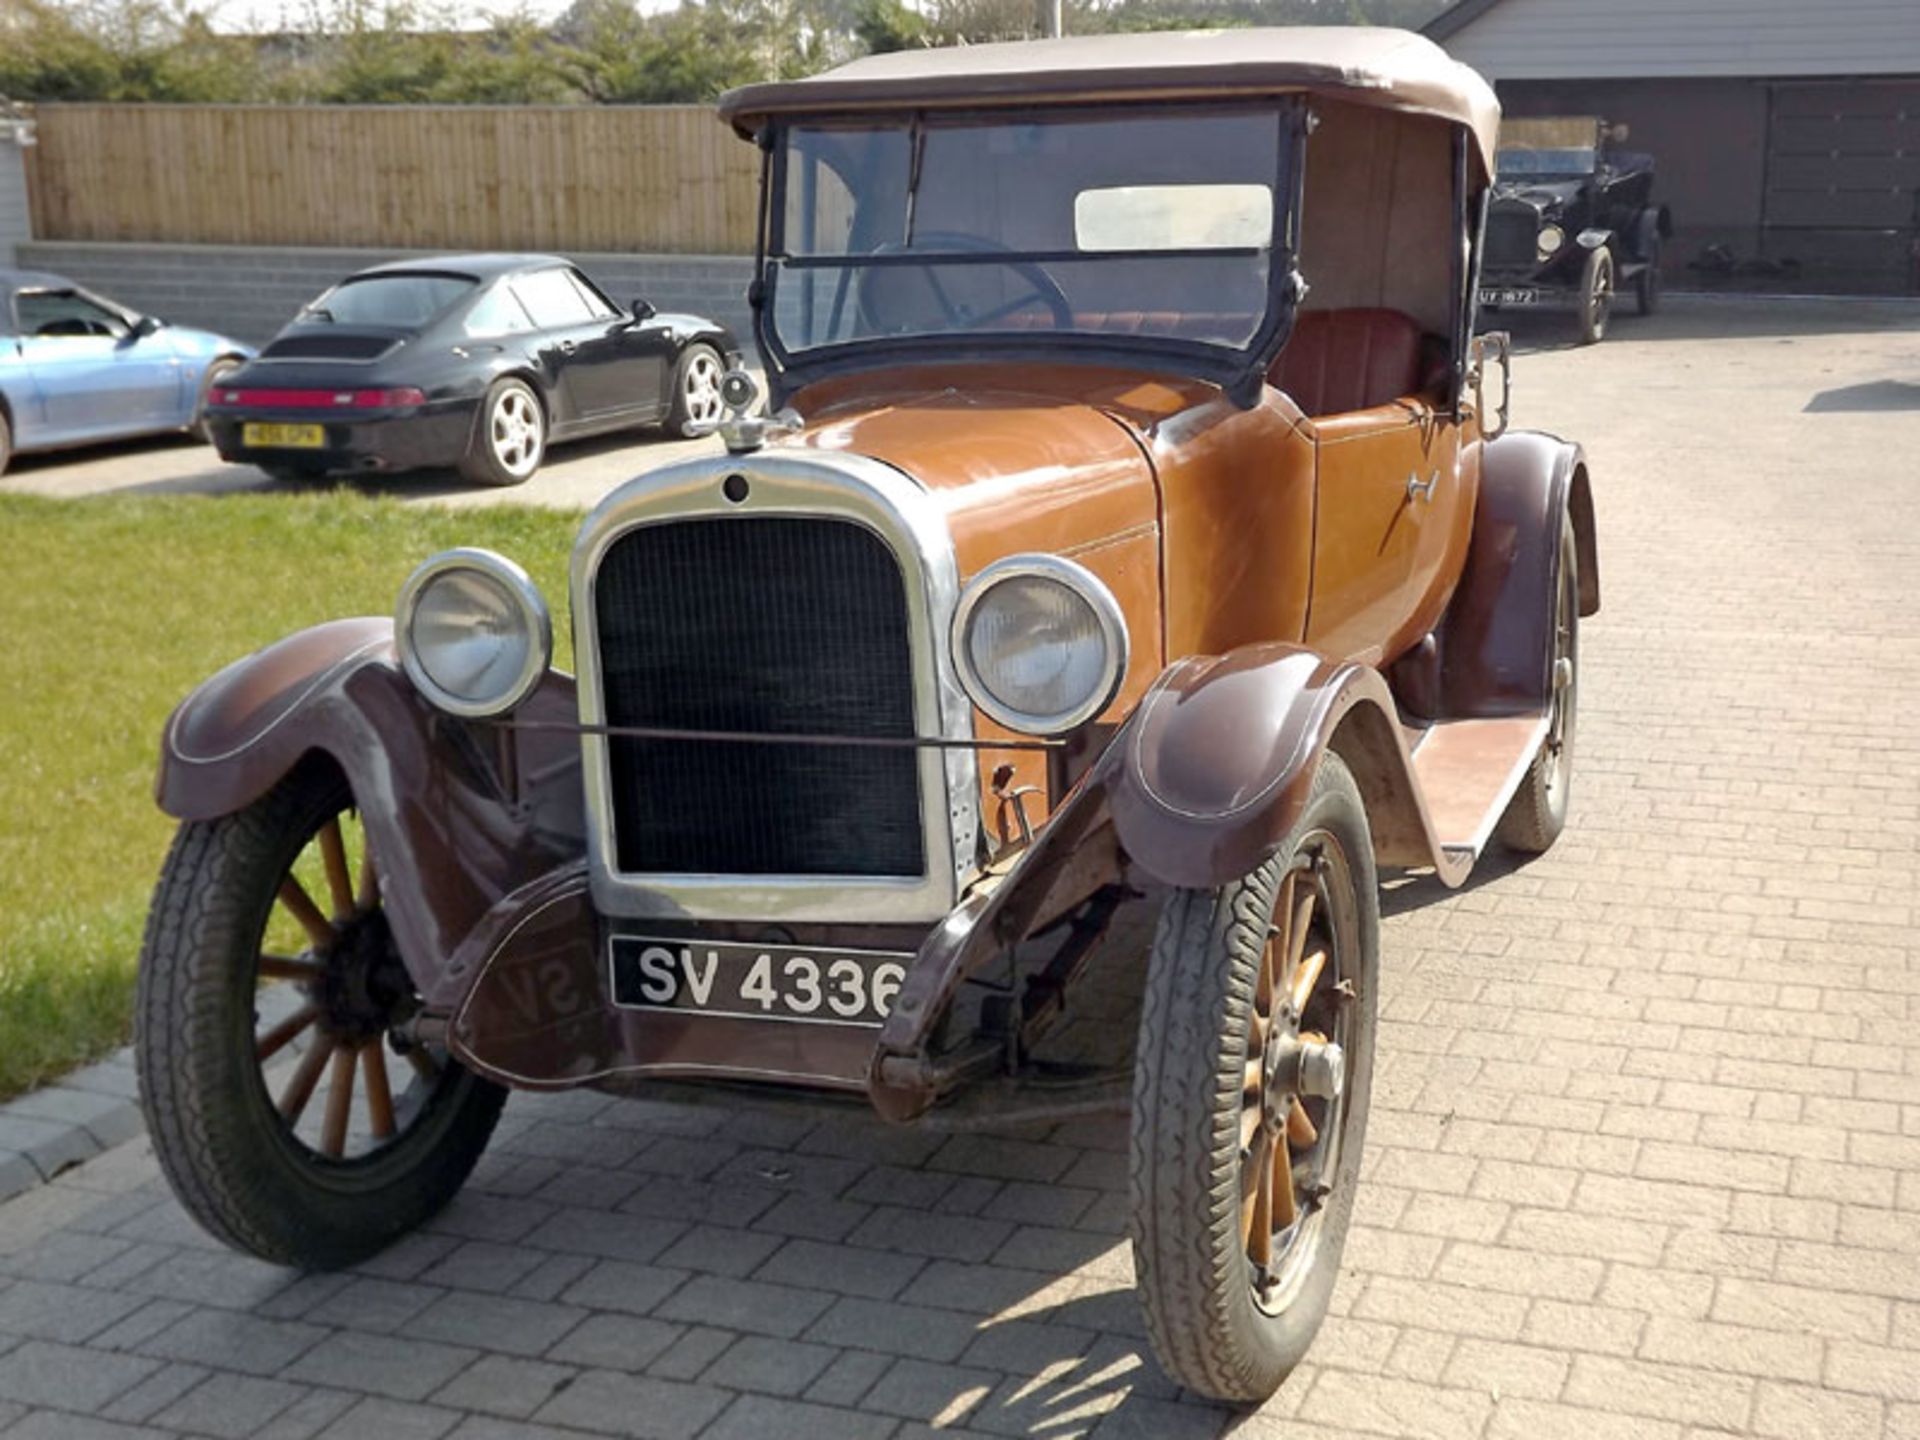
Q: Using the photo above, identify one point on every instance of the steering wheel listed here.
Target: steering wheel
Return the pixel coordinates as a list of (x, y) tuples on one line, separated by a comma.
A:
[(881, 301)]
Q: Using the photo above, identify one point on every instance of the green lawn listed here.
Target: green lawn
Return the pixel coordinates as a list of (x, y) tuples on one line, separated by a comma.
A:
[(110, 611)]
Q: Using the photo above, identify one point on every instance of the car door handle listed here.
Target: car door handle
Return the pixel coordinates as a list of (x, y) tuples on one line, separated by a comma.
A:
[(1421, 490)]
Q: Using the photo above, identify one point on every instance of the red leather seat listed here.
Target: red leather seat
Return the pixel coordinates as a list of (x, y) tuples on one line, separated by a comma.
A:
[(1341, 360)]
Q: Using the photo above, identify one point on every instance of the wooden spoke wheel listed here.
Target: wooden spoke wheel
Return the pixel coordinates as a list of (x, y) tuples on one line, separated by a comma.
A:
[(287, 1108), (1249, 1102), (1294, 1090), (338, 1004)]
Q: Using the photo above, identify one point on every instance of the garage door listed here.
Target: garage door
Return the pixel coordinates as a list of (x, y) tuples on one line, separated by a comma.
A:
[(1843, 182)]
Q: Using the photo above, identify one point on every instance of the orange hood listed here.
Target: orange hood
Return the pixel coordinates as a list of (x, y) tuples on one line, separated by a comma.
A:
[(1046, 458)]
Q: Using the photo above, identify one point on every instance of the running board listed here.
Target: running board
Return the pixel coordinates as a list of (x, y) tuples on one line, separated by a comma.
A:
[(1468, 770)]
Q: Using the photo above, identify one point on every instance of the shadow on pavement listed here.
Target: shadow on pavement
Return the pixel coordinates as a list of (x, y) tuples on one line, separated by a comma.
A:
[(1710, 317), (1871, 397)]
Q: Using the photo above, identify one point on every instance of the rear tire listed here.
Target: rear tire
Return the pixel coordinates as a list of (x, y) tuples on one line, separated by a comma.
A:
[(6, 442), (236, 1158), (216, 374), (1596, 295), (1537, 813), (1646, 285), (1232, 1303), (509, 436), (696, 392)]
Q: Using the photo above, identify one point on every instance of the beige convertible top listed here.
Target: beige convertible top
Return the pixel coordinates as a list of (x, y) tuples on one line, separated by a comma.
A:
[(1390, 69)]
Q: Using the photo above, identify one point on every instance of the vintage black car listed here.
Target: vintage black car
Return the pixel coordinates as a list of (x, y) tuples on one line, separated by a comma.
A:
[(1572, 221), (473, 361)]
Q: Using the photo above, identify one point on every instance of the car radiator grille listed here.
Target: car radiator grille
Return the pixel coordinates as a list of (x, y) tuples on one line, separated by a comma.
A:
[(1513, 235), (759, 625)]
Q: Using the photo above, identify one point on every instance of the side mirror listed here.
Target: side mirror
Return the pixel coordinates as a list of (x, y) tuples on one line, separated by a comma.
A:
[(148, 325), (643, 310), (1495, 346)]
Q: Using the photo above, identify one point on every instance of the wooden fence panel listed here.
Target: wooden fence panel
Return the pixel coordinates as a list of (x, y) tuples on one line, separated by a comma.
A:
[(646, 179)]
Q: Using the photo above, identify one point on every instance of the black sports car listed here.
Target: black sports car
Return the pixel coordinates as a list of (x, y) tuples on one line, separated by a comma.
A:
[(474, 361), (1570, 222)]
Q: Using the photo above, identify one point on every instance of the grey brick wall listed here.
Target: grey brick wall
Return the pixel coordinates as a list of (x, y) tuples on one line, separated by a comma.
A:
[(251, 291), (16, 226)]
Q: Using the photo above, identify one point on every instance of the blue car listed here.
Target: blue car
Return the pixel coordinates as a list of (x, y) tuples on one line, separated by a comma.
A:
[(76, 368)]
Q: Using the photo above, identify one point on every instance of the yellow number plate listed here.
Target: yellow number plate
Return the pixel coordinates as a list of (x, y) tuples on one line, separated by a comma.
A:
[(286, 437)]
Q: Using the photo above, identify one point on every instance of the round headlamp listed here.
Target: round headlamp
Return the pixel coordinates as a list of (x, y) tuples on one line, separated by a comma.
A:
[(1552, 237), (1040, 643), (473, 633)]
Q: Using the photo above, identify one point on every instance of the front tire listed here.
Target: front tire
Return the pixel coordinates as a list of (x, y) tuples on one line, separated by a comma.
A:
[(1596, 295), (696, 392), (509, 438), (6, 442), (1243, 1168), (285, 1165)]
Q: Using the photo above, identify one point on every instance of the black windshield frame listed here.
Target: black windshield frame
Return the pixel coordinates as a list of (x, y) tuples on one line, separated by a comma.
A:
[(1240, 371)]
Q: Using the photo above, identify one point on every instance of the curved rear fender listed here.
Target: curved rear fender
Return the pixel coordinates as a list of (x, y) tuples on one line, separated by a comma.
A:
[(457, 813), (1491, 653), (1218, 763)]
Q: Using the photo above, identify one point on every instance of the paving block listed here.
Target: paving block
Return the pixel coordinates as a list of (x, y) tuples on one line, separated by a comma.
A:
[(633, 1405)]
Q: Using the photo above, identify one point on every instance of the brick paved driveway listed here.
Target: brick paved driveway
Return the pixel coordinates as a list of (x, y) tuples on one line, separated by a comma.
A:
[(1645, 1157)]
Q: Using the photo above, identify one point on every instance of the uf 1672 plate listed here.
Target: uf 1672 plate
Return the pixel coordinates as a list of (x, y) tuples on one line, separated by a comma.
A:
[(756, 982), (1509, 295)]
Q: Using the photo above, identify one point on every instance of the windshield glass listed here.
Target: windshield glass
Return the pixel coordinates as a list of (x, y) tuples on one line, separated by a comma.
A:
[(1569, 161), (1154, 225), (405, 302)]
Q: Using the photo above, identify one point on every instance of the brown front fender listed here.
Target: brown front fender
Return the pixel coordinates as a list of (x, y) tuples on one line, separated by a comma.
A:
[(457, 813), (1195, 790), (1217, 763)]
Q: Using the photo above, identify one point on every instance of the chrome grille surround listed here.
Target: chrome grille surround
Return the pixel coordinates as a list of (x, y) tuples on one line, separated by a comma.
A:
[(803, 485)]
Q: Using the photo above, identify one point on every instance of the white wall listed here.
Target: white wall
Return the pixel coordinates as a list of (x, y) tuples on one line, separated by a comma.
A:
[(1614, 39), (15, 226)]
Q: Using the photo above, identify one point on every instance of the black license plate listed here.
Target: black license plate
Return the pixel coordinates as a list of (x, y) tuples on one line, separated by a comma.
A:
[(1509, 295), (756, 982)]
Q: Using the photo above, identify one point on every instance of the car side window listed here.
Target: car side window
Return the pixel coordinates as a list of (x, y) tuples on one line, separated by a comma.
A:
[(498, 312), (552, 299), (56, 314), (602, 308)]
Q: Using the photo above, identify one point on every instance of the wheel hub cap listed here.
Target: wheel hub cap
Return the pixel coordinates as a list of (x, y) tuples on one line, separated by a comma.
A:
[(363, 990)]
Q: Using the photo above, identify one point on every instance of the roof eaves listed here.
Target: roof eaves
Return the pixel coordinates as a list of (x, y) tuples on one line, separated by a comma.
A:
[(1450, 22)]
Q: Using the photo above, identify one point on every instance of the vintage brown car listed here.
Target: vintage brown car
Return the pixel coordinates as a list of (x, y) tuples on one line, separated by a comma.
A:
[(1129, 553)]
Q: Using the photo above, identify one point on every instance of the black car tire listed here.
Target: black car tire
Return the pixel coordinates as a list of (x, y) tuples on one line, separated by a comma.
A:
[(509, 436), (1216, 1327), (1646, 285), (1537, 813), (216, 373), (1596, 295), (6, 442), (696, 391), (234, 1156)]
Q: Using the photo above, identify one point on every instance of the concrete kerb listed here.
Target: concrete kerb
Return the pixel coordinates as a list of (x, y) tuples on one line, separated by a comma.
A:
[(52, 1129)]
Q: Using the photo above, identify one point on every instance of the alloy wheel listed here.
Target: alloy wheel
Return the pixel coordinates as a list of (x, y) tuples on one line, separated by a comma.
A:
[(702, 389), (515, 431)]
